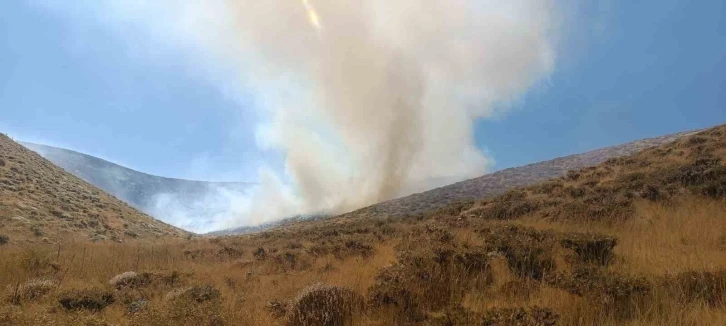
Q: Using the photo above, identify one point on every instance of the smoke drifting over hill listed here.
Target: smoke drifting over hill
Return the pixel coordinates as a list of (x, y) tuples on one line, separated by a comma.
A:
[(366, 100)]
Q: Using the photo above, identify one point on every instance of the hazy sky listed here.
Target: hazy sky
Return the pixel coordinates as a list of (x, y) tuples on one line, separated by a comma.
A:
[(626, 70)]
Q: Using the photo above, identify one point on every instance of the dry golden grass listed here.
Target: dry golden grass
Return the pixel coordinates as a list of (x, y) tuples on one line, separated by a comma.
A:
[(660, 240), (682, 236)]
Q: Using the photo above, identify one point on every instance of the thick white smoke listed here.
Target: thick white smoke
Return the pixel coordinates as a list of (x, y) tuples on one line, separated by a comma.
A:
[(367, 100)]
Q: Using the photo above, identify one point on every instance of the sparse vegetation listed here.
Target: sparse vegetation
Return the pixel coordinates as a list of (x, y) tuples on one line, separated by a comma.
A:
[(31, 290), (42, 203), (91, 299)]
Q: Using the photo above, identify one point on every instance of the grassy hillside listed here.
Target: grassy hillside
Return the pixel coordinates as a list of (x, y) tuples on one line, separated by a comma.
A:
[(638, 240), (40, 202), (497, 183)]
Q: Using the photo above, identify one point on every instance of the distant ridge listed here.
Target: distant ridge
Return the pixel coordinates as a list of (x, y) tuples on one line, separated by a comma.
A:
[(161, 197)]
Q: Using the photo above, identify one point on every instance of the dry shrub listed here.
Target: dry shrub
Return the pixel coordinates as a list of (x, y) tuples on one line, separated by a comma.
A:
[(590, 247), (134, 280), (195, 293), (456, 315), (260, 253), (277, 308), (229, 252), (290, 261), (429, 279), (128, 280), (529, 252), (359, 247), (511, 205), (709, 287), (534, 316), (94, 299), (455, 209), (519, 316), (37, 262), (617, 295), (195, 305), (31, 290), (343, 246), (520, 289), (325, 305), (394, 291)]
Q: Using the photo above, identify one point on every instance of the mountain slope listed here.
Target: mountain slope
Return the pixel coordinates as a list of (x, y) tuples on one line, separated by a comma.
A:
[(488, 185), (39, 201), (163, 198), (150, 193), (499, 182)]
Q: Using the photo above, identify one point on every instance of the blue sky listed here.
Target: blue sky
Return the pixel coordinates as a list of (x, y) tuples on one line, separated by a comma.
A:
[(627, 70)]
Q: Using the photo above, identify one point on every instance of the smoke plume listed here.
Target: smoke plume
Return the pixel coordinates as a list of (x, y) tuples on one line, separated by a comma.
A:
[(365, 100)]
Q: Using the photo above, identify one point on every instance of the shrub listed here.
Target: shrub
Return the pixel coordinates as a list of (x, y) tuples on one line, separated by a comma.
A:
[(529, 252), (520, 289), (4, 239), (364, 249), (32, 290), (230, 252), (618, 294), (85, 299), (429, 279), (707, 286), (137, 305), (534, 316), (393, 291), (196, 294), (456, 315), (590, 247), (572, 175), (195, 305), (321, 304), (454, 209), (129, 279), (277, 308), (37, 231), (260, 254)]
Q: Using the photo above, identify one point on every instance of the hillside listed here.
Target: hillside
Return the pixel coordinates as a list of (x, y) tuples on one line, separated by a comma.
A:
[(152, 194), (163, 198), (41, 202), (491, 184), (499, 182), (635, 240)]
